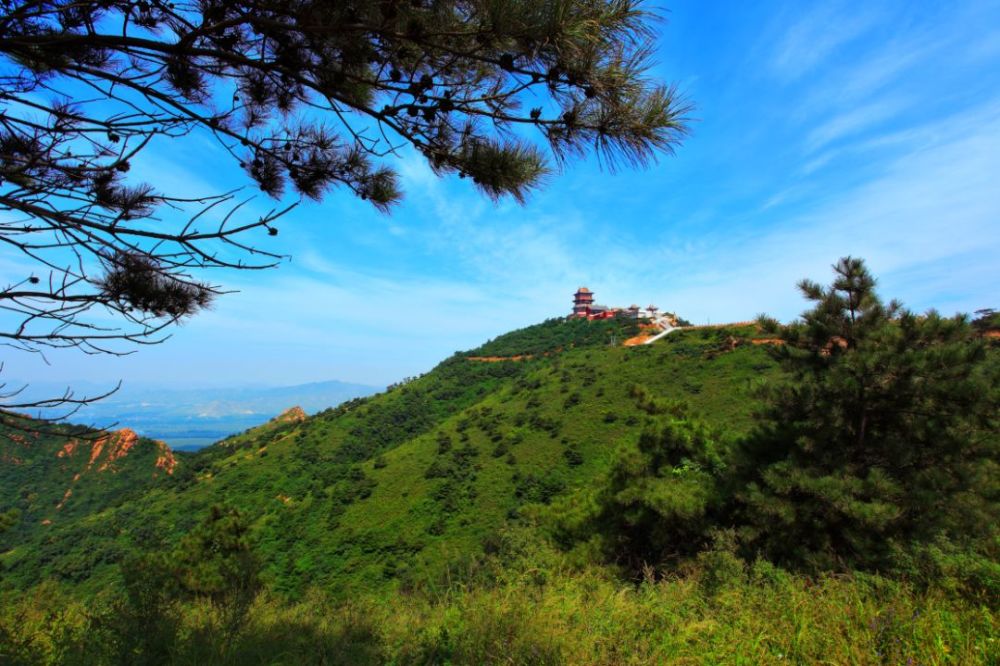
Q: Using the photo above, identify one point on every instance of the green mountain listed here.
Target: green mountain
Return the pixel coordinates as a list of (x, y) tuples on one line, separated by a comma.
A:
[(391, 490)]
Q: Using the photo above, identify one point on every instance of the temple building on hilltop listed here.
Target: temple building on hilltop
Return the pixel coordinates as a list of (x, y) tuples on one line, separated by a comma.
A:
[(584, 307), (583, 299)]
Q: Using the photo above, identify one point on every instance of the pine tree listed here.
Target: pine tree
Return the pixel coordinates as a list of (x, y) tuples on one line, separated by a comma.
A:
[(884, 435), (663, 496), (215, 562)]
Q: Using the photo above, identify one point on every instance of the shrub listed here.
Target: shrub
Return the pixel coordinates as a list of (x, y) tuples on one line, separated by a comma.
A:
[(573, 456), (660, 496)]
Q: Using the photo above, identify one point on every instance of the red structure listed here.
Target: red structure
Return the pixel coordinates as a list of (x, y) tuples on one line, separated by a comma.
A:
[(583, 300), (585, 308)]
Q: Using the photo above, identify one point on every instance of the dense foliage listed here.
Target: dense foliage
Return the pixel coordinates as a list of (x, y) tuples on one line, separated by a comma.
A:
[(662, 496), (525, 605), (885, 436)]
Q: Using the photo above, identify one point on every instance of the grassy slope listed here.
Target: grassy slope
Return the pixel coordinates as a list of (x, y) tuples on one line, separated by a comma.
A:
[(405, 507), (344, 499)]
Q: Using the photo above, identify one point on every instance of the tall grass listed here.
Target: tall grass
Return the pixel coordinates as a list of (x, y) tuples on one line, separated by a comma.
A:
[(761, 616)]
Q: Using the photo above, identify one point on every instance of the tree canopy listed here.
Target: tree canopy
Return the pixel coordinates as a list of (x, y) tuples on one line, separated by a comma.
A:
[(305, 96)]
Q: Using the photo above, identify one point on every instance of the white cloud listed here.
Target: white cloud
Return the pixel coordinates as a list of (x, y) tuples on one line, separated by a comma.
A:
[(815, 38), (852, 122)]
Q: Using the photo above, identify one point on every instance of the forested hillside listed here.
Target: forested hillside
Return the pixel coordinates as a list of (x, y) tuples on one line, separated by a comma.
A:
[(386, 491), (53, 473)]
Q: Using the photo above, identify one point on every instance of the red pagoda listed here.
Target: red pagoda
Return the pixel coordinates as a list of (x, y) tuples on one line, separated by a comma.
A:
[(583, 299)]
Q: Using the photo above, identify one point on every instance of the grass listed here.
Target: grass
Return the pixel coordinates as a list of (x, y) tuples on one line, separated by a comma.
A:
[(566, 617)]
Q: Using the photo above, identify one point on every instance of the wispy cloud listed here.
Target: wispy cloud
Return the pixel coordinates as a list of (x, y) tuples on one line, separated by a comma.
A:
[(934, 204), (853, 122), (814, 38)]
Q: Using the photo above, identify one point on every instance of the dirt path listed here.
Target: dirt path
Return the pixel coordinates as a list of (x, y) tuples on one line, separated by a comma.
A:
[(498, 359)]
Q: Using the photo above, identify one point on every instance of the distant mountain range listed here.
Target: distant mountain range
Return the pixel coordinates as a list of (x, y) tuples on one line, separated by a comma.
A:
[(188, 419)]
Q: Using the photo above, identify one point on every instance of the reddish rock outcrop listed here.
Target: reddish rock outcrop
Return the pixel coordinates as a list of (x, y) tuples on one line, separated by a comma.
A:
[(165, 458), (68, 449), (96, 448), (69, 491), (291, 415), (118, 444), (106, 453)]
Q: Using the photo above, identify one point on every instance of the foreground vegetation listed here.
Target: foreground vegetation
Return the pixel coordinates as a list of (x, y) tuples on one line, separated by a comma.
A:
[(535, 611)]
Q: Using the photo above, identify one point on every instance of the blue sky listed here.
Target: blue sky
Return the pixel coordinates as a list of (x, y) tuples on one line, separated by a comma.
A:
[(821, 130)]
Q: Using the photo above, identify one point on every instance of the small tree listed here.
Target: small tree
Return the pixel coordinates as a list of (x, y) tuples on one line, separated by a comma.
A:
[(142, 625), (987, 319), (215, 562), (662, 496), (9, 519), (883, 435)]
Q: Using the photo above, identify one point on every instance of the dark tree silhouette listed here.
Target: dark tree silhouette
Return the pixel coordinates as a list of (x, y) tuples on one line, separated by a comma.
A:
[(306, 95)]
